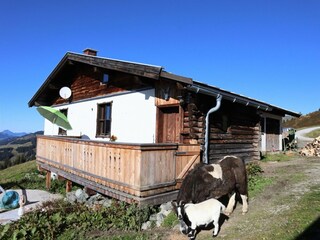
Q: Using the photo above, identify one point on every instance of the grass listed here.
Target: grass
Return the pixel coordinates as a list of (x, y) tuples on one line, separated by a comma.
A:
[(27, 176), (278, 157), (294, 221), (256, 181), (17, 172), (170, 221), (288, 219), (313, 134), (258, 184)]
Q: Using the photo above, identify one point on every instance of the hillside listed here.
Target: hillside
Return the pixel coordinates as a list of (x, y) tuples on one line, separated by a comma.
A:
[(15, 150), (308, 120)]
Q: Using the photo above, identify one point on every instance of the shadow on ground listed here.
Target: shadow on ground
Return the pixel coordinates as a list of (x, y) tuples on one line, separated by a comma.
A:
[(312, 232)]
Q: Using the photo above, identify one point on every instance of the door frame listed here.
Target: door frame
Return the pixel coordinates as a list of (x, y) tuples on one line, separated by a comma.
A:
[(180, 127)]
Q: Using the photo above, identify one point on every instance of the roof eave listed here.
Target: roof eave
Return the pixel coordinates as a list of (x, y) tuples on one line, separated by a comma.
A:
[(214, 91), (62, 62)]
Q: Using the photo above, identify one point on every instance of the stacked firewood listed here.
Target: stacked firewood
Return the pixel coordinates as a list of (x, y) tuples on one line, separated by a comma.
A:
[(311, 149)]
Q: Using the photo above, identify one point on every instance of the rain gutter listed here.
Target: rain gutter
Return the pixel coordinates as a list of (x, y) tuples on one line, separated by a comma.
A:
[(235, 98), (206, 139)]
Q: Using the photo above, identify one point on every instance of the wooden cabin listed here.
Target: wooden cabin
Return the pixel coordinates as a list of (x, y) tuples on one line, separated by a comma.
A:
[(138, 129)]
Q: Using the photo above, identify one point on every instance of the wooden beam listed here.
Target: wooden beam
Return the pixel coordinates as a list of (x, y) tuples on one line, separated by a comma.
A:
[(48, 180), (188, 166), (176, 77), (68, 186)]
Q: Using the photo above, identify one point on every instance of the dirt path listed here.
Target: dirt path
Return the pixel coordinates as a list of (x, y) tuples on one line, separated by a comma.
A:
[(300, 135), (292, 180), (34, 199)]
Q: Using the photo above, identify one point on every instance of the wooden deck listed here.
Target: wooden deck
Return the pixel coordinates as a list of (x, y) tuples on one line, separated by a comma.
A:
[(143, 173)]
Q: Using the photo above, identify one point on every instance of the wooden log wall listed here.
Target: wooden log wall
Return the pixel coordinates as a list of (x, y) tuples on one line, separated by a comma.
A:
[(194, 119), (234, 130)]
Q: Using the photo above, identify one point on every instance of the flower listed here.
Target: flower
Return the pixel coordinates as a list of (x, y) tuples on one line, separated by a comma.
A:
[(113, 138)]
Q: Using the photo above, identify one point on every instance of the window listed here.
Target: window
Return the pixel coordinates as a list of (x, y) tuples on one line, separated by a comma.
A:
[(105, 78), (104, 120), (61, 131)]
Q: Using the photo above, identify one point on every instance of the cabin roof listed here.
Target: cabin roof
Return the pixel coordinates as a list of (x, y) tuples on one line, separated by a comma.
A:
[(52, 83), (62, 70), (234, 97)]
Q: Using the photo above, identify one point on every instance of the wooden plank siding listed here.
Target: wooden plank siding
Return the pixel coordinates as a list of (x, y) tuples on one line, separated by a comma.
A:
[(136, 171), (234, 130), (272, 134)]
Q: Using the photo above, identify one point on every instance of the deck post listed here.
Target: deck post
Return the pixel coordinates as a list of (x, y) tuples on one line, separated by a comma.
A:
[(68, 186), (48, 180)]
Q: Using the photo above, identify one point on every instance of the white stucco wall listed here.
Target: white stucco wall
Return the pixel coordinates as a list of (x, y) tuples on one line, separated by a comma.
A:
[(133, 117)]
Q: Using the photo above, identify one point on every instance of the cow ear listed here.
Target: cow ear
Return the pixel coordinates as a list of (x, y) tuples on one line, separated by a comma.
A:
[(174, 204)]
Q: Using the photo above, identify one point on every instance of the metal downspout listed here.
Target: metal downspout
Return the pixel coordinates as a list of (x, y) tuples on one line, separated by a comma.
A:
[(206, 139)]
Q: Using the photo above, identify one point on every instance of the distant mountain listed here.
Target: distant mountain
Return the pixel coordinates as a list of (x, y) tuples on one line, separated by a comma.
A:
[(8, 134), (16, 150)]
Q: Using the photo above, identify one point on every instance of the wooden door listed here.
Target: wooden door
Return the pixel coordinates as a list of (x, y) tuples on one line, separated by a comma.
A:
[(273, 132), (169, 124)]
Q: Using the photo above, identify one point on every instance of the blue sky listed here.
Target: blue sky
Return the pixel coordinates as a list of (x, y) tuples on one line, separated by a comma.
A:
[(268, 50)]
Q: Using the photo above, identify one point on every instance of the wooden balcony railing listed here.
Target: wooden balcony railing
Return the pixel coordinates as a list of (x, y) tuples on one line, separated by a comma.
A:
[(140, 170)]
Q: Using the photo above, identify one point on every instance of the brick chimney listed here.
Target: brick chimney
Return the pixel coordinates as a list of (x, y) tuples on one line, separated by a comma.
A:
[(90, 51)]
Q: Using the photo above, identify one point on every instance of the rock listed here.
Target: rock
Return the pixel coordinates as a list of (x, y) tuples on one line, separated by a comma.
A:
[(146, 225), (166, 213), (71, 197), (78, 193), (107, 203), (160, 218), (81, 196), (165, 207), (97, 197), (153, 217)]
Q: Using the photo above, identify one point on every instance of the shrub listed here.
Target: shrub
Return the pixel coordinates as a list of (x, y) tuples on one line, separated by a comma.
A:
[(60, 217), (256, 182)]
